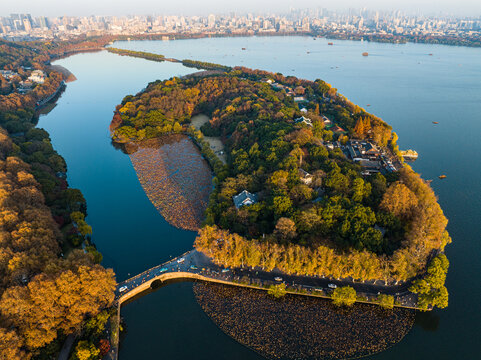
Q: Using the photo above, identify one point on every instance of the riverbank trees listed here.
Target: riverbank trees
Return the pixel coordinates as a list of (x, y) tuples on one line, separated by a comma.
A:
[(48, 286)]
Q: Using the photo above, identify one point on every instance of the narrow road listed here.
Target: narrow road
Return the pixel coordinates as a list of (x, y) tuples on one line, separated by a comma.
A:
[(197, 263)]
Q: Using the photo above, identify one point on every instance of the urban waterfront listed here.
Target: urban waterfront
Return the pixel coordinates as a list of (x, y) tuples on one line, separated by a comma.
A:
[(404, 84)]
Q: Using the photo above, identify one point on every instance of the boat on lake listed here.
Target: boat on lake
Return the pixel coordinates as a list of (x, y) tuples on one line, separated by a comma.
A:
[(442, 177), (435, 122)]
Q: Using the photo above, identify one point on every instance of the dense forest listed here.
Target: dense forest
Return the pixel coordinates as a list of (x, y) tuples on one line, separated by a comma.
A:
[(51, 283), (340, 224)]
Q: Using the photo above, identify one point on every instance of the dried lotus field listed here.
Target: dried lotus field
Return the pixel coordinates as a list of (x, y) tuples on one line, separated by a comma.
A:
[(295, 327), (176, 179)]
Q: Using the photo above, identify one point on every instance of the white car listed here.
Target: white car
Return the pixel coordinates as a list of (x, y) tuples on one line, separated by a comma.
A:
[(332, 286), (181, 260), (278, 278), (123, 288)]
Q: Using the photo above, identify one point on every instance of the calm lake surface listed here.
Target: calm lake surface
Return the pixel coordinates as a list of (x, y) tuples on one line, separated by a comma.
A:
[(404, 84)]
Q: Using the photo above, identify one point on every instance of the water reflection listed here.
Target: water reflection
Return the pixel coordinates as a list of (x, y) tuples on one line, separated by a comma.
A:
[(428, 321)]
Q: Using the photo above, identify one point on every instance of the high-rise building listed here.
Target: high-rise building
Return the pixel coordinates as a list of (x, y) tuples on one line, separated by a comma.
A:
[(211, 20), (43, 22), (27, 25)]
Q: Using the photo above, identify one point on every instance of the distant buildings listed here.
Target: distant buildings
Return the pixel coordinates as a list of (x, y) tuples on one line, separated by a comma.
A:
[(344, 24)]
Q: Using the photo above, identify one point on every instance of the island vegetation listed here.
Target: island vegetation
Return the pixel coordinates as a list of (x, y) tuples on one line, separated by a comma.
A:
[(51, 282), (341, 223), (138, 54), (205, 65)]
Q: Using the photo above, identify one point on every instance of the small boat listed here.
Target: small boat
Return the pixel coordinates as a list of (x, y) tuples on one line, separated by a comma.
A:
[(365, 54), (330, 43), (435, 122), (442, 176)]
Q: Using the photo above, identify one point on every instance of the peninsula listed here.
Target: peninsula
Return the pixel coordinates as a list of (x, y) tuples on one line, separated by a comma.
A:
[(313, 186)]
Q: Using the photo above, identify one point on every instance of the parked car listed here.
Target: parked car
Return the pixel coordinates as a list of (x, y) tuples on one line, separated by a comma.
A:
[(181, 260), (277, 278), (332, 286), (163, 270), (193, 267), (123, 288), (225, 270)]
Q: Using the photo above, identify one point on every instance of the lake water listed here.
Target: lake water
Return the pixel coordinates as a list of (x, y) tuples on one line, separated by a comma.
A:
[(404, 85)]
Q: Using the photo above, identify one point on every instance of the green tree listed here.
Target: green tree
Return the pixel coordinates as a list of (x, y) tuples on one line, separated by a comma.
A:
[(344, 296), (386, 301), (278, 290), (282, 205), (86, 351)]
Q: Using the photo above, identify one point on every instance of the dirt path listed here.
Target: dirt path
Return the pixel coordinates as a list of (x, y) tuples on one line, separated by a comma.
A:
[(215, 143)]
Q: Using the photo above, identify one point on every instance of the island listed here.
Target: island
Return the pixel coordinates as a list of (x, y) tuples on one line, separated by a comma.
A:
[(313, 185)]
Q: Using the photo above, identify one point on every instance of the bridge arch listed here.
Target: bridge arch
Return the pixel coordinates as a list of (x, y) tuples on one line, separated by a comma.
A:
[(155, 284)]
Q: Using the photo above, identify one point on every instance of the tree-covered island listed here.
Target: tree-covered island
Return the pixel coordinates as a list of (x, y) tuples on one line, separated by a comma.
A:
[(313, 184)]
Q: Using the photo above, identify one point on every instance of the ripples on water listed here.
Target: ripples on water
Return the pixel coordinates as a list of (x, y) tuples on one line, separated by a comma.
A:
[(296, 327), (175, 177)]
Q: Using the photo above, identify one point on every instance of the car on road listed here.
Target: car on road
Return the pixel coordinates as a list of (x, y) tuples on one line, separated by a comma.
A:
[(163, 270), (181, 260), (277, 278), (225, 270), (332, 286), (123, 288)]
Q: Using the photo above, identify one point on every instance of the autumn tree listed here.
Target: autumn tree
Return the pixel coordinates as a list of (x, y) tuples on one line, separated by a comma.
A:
[(399, 200), (285, 229)]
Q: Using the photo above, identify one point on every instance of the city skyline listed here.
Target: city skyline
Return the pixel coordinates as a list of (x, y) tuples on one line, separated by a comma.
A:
[(55, 8)]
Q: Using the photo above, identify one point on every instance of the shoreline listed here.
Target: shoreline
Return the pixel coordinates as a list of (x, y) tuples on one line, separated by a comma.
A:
[(69, 76), (328, 36)]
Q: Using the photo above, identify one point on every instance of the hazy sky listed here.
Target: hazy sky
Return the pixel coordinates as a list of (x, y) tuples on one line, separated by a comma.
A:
[(203, 7)]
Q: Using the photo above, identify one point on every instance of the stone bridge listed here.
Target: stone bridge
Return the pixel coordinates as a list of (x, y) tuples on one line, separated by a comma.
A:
[(197, 266)]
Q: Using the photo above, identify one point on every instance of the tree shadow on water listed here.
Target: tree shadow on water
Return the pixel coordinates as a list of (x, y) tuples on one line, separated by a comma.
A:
[(428, 321)]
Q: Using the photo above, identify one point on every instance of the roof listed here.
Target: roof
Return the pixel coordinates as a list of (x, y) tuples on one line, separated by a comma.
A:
[(304, 120), (336, 128), (303, 173), (244, 198)]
